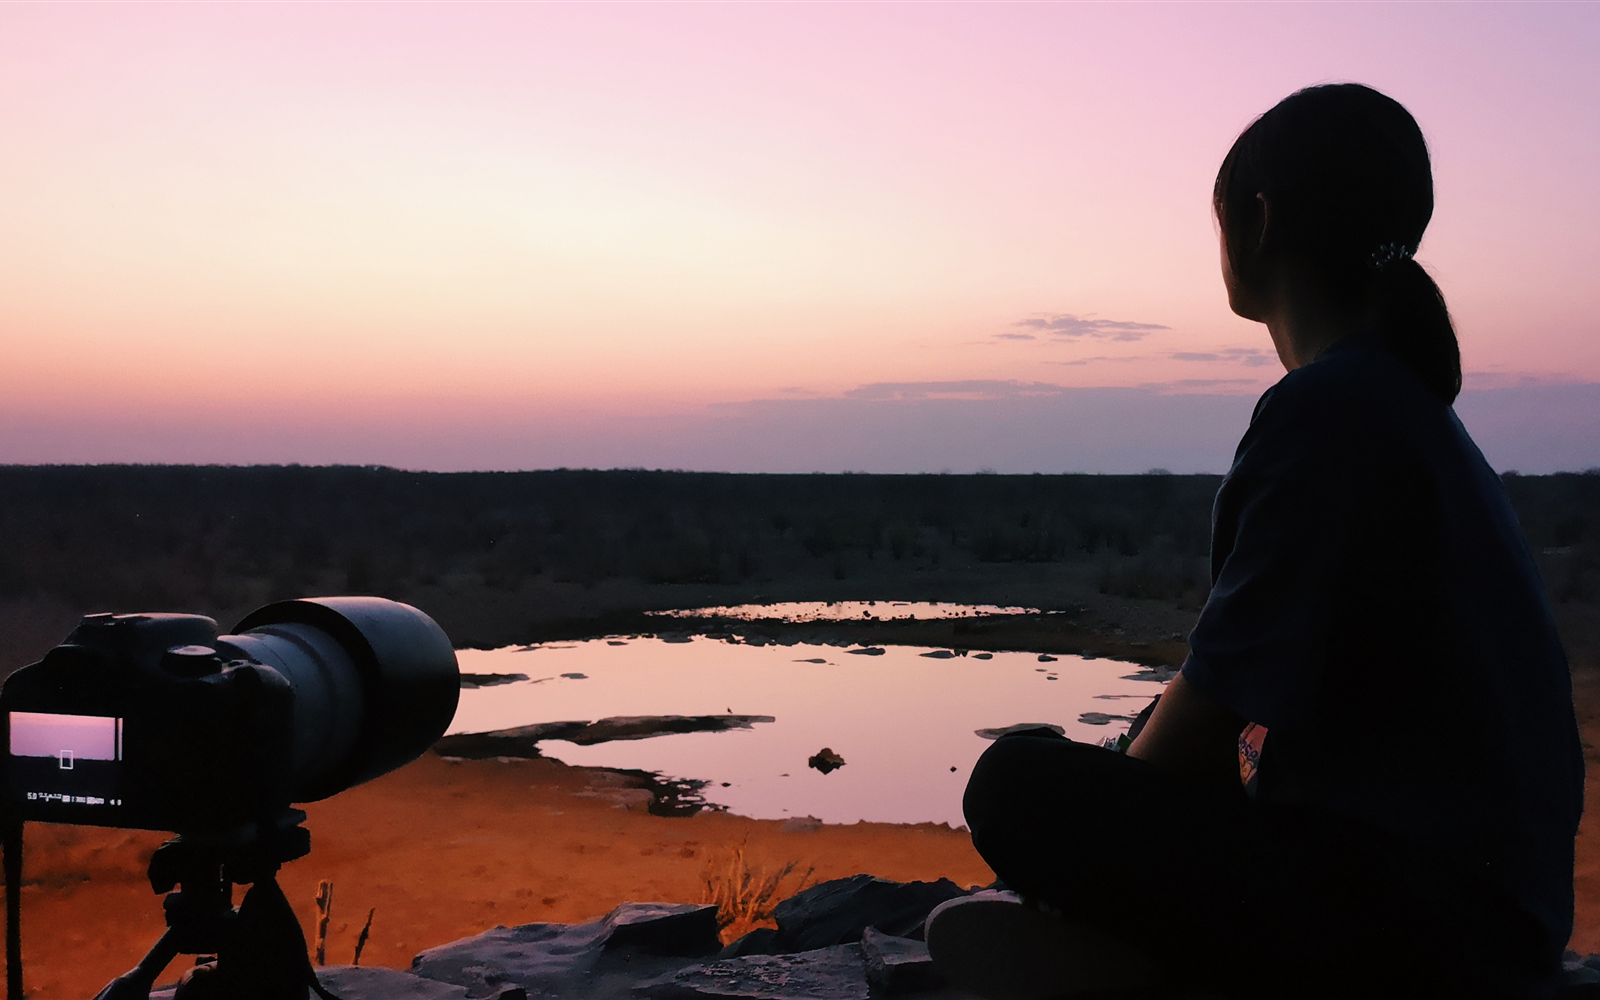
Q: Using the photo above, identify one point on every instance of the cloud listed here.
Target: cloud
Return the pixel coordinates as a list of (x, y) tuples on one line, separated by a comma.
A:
[(965, 389), (1015, 336), (1182, 384), (1101, 357), (1250, 357), (1065, 326), (1502, 379)]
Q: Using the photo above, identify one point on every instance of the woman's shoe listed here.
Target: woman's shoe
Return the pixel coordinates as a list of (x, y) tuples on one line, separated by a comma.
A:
[(994, 946)]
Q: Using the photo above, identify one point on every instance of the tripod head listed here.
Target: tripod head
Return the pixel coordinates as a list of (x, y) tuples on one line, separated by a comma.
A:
[(259, 947)]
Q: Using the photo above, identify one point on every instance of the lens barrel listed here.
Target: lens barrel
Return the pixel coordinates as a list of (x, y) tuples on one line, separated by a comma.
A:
[(375, 681)]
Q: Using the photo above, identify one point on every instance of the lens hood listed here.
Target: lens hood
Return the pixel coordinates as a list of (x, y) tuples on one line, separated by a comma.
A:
[(378, 701)]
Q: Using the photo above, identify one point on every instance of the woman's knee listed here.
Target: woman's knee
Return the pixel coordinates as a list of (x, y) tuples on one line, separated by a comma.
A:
[(1014, 772)]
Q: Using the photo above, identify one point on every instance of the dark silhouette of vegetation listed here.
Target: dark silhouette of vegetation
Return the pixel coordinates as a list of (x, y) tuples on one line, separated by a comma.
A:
[(175, 535), (223, 539)]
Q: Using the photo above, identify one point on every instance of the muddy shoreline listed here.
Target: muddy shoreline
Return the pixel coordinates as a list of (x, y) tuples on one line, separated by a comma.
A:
[(1069, 632)]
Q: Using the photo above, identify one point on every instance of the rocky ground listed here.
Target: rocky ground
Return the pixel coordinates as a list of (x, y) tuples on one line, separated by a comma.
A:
[(857, 938)]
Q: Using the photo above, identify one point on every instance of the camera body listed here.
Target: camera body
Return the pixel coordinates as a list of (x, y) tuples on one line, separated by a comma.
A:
[(154, 721)]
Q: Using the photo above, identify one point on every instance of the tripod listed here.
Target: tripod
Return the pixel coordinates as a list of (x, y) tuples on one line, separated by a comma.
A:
[(260, 949)]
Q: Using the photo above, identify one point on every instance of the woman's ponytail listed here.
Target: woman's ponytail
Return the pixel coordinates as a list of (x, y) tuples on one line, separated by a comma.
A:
[(1414, 323)]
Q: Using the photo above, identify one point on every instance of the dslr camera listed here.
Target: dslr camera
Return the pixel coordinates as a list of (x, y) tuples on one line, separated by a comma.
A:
[(155, 722)]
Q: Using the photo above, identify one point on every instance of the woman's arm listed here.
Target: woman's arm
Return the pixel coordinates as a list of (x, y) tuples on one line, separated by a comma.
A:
[(1192, 735)]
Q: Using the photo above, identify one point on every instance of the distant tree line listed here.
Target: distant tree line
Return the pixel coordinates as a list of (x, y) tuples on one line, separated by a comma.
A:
[(191, 536)]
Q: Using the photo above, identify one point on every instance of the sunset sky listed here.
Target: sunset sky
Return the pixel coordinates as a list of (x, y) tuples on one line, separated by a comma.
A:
[(754, 237)]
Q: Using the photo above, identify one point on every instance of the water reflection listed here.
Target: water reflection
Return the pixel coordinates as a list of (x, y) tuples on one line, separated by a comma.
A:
[(833, 611), (902, 719)]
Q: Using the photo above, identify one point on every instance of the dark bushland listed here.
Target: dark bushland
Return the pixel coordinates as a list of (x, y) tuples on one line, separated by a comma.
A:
[(477, 545)]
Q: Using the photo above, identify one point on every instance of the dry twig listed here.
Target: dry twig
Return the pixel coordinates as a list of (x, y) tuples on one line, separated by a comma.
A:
[(324, 910)]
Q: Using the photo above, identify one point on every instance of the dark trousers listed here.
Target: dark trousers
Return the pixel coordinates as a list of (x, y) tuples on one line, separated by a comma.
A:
[(1230, 894)]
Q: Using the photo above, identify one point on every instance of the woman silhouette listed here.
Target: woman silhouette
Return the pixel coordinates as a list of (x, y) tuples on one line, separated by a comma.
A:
[(1374, 613)]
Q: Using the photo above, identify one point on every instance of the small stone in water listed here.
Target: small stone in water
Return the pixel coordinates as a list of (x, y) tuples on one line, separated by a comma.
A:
[(576, 677), (1046, 658), (825, 760), (983, 656)]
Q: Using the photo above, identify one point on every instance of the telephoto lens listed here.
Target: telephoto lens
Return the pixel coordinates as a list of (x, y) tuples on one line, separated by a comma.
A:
[(375, 684)]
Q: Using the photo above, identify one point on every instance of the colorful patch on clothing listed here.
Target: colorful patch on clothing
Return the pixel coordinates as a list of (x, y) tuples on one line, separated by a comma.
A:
[(1250, 741)]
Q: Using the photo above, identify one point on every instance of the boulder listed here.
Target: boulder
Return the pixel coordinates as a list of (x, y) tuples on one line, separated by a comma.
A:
[(838, 912), (603, 960)]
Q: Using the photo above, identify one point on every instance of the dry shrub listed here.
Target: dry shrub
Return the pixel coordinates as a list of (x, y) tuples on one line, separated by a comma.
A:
[(745, 894)]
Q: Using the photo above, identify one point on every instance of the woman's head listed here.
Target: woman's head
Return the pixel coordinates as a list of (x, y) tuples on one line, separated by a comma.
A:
[(1336, 180)]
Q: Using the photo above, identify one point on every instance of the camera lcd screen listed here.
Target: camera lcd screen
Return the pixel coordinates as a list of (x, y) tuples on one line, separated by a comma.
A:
[(67, 759)]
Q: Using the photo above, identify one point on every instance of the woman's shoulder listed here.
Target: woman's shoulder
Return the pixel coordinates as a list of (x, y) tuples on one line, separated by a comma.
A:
[(1355, 387)]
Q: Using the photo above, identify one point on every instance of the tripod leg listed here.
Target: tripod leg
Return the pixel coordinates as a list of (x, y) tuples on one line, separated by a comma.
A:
[(136, 983), (13, 868), (265, 958)]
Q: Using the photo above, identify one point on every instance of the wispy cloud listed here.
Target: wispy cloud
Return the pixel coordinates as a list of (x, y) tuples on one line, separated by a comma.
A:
[(1066, 326), (1015, 336), (964, 389), (1184, 384), (1250, 357), (1078, 362), (1498, 378)]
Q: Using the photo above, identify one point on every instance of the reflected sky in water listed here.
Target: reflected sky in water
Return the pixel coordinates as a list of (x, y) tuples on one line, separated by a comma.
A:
[(903, 722), (832, 611)]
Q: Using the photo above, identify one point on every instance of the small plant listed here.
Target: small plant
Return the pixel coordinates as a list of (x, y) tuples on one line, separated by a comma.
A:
[(745, 895)]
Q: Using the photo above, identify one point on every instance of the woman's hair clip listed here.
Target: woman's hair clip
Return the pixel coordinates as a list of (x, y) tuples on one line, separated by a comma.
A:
[(1390, 253)]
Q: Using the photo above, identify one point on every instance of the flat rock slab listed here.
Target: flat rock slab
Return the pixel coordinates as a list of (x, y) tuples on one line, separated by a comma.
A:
[(604, 960), (835, 973), (1021, 727), (471, 682), (523, 741), (352, 982), (897, 965)]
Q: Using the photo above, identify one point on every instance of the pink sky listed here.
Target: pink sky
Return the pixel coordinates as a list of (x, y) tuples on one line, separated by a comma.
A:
[(517, 235)]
